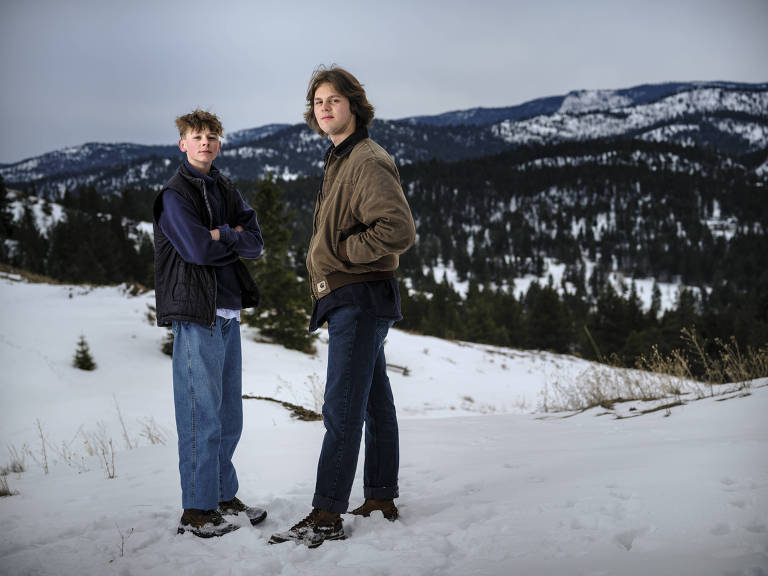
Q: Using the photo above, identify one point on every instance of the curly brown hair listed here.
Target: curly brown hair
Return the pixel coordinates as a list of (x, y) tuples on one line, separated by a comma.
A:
[(197, 121), (348, 86)]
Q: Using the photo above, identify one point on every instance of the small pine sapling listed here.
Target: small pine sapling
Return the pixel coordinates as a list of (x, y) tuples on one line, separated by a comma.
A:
[(83, 359)]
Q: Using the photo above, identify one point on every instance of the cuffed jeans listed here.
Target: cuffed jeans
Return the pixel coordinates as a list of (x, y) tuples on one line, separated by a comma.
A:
[(357, 391), (207, 391)]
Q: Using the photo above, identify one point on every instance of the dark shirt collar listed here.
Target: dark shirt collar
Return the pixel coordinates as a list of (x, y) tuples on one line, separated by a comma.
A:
[(345, 147), (209, 178)]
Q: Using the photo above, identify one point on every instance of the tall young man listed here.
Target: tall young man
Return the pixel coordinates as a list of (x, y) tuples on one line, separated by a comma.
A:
[(362, 223), (202, 228)]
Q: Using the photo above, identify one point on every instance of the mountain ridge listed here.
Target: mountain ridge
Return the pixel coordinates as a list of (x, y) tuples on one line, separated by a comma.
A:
[(726, 116)]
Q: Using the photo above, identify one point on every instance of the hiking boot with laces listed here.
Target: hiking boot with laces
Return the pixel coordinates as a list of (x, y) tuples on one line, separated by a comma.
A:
[(315, 529), (235, 506), (386, 507), (204, 523)]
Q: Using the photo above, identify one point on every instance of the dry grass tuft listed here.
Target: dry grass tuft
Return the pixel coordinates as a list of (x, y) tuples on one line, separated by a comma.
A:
[(658, 376)]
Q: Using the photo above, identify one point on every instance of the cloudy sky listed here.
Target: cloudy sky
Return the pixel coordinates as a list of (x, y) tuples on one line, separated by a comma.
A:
[(77, 71)]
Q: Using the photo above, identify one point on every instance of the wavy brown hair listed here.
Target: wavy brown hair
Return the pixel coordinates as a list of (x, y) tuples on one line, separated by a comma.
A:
[(197, 121), (346, 84)]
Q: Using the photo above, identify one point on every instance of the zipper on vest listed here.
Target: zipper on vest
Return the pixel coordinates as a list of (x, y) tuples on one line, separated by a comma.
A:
[(207, 205), (215, 295), (210, 224)]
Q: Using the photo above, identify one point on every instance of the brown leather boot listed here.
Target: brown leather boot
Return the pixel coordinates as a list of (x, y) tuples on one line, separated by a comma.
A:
[(204, 523), (386, 507)]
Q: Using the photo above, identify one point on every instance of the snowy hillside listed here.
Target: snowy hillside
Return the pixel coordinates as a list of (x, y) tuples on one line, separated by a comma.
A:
[(47, 214), (490, 484)]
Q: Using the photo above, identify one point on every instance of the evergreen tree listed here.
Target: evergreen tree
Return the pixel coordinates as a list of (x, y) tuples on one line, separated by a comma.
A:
[(547, 323), (482, 318), (655, 310), (6, 221), (607, 324), (31, 245), (442, 317), (283, 312), (83, 359), (145, 271), (76, 251)]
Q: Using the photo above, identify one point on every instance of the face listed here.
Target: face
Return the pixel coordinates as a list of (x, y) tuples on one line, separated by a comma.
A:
[(201, 148), (333, 114)]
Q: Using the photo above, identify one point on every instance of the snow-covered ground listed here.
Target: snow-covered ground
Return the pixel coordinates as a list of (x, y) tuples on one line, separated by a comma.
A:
[(490, 485)]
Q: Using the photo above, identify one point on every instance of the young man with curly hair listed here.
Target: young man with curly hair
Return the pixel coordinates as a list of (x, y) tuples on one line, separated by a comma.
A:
[(362, 223)]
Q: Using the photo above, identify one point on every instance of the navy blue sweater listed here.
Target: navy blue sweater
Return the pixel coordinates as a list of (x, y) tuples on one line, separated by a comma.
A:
[(192, 239)]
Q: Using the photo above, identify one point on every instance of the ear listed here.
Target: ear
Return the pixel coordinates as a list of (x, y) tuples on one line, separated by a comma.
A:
[(182, 145)]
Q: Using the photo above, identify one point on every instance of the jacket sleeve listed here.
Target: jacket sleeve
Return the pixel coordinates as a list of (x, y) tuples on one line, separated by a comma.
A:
[(379, 204), (191, 239), (248, 243)]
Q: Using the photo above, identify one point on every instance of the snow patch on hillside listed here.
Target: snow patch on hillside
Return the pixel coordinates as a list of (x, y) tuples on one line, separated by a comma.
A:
[(593, 100)]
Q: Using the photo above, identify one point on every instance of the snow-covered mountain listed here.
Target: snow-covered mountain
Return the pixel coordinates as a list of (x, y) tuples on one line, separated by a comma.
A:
[(728, 117), (79, 160), (575, 101), (682, 118), (251, 134)]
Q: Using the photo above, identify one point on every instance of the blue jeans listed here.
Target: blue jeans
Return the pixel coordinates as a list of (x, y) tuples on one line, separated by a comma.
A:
[(357, 391), (207, 392)]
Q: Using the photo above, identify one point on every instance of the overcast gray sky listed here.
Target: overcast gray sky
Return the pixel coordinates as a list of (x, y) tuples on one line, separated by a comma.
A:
[(75, 71)]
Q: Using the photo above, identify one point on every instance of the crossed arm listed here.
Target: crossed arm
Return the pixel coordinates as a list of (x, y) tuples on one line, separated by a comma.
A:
[(216, 234), (219, 246)]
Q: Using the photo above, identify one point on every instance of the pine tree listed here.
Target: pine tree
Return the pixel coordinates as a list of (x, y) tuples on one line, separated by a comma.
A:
[(484, 321), (655, 309), (283, 312), (83, 359), (547, 322), (75, 243), (442, 315), (6, 221), (32, 246)]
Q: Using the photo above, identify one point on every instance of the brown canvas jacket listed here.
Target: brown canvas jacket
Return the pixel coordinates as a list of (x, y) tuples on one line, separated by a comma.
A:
[(362, 220)]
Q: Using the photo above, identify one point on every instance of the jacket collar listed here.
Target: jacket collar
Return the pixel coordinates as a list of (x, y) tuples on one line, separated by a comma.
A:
[(349, 142), (190, 172)]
